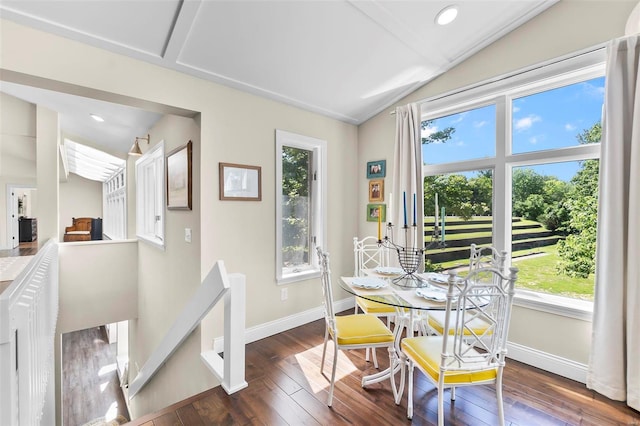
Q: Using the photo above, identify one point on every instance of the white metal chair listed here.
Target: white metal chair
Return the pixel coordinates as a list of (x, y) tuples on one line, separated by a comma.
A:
[(350, 331), (367, 254), (480, 257), (465, 357)]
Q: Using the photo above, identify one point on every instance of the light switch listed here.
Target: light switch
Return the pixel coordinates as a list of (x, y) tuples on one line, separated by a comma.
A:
[(187, 234)]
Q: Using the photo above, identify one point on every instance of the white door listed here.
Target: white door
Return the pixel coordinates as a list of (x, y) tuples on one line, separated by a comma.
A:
[(12, 216)]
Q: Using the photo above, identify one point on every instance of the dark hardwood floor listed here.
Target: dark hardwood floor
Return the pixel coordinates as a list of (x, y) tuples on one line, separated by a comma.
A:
[(90, 385), (286, 388)]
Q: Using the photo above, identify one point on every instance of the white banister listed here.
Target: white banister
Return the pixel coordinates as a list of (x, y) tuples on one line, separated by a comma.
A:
[(28, 316), (229, 369), (213, 288)]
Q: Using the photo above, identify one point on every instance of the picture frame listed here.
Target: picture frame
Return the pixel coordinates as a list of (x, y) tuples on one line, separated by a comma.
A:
[(179, 179), (373, 210), (376, 169), (376, 190), (240, 182)]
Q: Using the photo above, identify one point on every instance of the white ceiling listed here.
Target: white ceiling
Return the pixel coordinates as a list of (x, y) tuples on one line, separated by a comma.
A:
[(345, 59)]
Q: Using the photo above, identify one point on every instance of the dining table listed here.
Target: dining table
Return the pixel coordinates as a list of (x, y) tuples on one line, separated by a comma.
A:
[(412, 296)]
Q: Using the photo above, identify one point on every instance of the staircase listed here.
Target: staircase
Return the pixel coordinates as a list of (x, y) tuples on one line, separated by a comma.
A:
[(460, 234)]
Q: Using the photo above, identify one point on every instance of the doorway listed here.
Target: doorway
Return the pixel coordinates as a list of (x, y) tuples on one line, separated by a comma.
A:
[(21, 223)]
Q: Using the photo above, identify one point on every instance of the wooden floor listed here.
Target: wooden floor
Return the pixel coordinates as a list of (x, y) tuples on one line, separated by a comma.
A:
[(286, 388), (90, 385)]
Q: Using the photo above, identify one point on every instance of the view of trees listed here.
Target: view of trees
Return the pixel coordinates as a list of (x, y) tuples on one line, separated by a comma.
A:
[(295, 209), (569, 208)]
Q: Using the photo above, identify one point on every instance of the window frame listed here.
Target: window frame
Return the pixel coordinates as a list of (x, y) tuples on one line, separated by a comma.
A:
[(318, 203), (154, 159), (114, 205), (501, 91)]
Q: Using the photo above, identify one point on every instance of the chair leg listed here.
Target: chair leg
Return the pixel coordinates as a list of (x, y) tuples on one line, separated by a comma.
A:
[(441, 404), (333, 374), (374, 356), (499, 397), (366, 354), (403, 371), (324, 349), (453, 394), (410, 391)]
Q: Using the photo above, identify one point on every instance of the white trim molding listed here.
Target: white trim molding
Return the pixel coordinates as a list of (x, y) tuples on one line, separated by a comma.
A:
[(548, 362)]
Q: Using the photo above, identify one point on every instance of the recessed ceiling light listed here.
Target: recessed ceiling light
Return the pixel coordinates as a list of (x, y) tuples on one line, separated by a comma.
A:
[(96, 117), (447, 15)]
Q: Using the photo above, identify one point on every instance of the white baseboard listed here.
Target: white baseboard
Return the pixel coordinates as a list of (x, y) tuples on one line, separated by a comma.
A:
[(548, 362), (287, 323), (539, 359)]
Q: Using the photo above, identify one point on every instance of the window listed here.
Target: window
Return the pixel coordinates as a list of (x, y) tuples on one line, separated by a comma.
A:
[(300, 205), (114, 192), (150, 196), (542, 172)]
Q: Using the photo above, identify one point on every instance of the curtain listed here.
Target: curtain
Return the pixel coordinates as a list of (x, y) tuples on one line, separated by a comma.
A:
[(407, 176), (614, 363)]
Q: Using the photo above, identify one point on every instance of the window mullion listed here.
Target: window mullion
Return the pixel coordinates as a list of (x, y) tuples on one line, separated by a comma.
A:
[(501, 178)]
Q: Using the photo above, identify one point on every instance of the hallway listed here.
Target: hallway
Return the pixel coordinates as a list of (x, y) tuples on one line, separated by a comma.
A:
[(90, 386)]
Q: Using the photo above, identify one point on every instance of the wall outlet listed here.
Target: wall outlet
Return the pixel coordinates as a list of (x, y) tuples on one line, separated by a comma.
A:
[(187, 234), (284, 294)]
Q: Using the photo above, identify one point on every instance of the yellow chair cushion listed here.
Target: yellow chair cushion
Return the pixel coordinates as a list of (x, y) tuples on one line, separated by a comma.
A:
[(371, 307), (426, 352), (361, 329), (436, 322)]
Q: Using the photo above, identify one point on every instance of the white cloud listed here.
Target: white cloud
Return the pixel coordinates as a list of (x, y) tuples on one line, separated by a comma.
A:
[(478, 124), (516, 109), (461, 143), (593, 91), (461, 117), (533, 140), (569, 127), (526, 122)]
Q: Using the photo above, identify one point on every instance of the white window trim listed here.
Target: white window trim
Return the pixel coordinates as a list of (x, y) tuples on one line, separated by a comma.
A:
[(319, 147), (499, 91), (154, 155)]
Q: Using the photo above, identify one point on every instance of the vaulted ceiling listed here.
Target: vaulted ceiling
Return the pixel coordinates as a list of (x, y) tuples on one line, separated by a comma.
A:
[(344, 59)]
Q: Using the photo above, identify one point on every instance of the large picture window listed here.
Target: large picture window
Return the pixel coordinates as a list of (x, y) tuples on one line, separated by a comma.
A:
[(540, 165), (300, 205)]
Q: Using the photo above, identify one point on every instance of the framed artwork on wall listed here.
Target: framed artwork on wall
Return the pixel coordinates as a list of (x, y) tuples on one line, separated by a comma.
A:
[(376, 169), (376, 190), (239, 182), (376, 210), (179, 179)]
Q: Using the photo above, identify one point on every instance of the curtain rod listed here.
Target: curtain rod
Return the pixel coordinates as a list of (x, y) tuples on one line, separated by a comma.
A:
[(512, 74)]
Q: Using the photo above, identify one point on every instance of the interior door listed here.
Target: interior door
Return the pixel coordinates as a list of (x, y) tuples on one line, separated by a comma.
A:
[(14, 237)]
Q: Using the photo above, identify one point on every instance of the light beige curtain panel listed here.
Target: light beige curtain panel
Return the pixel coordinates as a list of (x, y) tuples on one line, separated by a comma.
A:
[(614, 365), (407, 174)]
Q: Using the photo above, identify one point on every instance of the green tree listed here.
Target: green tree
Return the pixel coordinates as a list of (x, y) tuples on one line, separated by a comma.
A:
[(440, 136), (577, 251), (295, 209), (526, 182)]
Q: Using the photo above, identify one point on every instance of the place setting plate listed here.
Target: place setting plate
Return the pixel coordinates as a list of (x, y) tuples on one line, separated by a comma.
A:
[(370, 283), (388, 270), (432, 294)]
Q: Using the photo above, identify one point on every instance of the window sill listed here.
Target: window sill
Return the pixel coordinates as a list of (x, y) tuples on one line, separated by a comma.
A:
[(154, 241), (557, 305), (300, 276)]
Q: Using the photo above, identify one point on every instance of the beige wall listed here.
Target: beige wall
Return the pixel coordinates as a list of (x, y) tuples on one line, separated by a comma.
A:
[(17, 152), (566, 27), (242, 234), (47, 154), (79, 197)]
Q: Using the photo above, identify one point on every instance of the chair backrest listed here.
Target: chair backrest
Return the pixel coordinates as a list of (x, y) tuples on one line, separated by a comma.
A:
[(327, 291), (486, 257), (367, 254), (486, 295)]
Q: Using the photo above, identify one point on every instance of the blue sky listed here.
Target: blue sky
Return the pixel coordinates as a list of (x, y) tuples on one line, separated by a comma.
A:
[(542, 121)]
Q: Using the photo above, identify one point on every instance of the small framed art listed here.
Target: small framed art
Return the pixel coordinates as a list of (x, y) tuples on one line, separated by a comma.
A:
[(376, 169), (376, 190), (376, 210), (240, 182)]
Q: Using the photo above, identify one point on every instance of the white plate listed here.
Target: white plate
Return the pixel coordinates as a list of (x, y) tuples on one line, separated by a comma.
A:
[(435, 295), (388, 270), (436, 278), (369, 282)]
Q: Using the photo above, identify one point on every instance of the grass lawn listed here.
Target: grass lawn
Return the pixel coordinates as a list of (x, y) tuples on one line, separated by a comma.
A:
[(538, 273)]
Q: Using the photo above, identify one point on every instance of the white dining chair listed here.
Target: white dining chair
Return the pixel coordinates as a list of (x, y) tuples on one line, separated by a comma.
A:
[(356, 331), (465, 357)]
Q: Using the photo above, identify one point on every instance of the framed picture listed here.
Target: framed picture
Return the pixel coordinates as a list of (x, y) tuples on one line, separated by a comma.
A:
[(240, 182), (376, 169), (179, 181), (375, 210), (376, 190)]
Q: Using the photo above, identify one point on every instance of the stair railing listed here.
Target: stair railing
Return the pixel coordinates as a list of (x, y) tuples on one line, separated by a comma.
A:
[(216, 285), (28, 317)]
